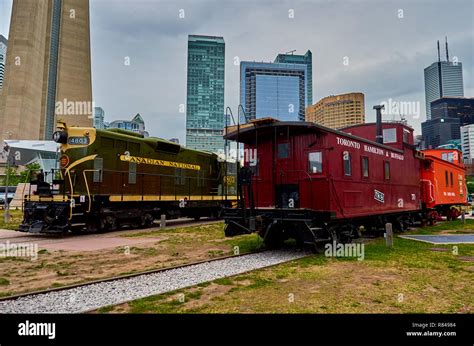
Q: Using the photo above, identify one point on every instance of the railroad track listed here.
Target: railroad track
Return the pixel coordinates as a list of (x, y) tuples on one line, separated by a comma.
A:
[(85, 297)]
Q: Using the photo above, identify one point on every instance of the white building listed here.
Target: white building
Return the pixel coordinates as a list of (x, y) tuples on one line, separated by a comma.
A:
[(467, 141), (99, 116)]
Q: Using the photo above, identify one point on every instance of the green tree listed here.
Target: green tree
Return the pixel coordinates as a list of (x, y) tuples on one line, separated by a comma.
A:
[(25, 176), (13, 177), (470, 184)]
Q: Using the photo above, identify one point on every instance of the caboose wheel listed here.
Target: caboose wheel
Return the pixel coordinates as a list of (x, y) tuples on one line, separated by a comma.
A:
[(273, 237)]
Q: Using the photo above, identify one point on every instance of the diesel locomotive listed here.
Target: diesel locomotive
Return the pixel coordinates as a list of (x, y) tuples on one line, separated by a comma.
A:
[(316, 184), (110, 178)]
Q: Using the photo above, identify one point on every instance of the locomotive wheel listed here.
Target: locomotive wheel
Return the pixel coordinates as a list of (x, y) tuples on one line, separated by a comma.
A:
[(109, 223), (148, 220)]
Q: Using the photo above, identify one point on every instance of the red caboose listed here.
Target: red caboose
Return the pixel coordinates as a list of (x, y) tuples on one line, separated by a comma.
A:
[(306, 181), (443, 181)]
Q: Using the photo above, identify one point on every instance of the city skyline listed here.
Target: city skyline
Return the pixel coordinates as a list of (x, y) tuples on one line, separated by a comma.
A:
[(384, 64)]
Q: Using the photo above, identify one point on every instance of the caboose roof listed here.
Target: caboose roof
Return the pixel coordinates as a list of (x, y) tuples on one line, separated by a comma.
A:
[(246, 132)]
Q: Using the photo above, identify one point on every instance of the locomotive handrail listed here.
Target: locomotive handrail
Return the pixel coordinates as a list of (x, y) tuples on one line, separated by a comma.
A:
[(431, 185), (87, 186)]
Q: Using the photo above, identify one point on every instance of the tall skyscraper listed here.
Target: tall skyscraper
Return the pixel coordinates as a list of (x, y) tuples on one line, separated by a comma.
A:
[(276, 90), (205, 93), (48, 71), (442, 79), (338, 111), (306, 59), (3, 58), (448, 114), (99, 116)]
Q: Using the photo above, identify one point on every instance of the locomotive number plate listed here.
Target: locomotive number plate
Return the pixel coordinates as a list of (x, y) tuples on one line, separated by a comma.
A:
[(78, 140)]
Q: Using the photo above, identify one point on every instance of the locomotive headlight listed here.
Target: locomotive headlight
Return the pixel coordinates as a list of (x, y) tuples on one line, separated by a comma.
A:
[(60, 137)]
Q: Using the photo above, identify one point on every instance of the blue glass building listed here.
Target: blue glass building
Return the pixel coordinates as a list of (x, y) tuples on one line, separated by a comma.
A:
[(205, 93), (276, 90), (306, 59)]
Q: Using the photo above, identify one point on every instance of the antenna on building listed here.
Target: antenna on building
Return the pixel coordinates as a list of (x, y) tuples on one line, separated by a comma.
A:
[(291, 52), (439, 58), (447, 54)]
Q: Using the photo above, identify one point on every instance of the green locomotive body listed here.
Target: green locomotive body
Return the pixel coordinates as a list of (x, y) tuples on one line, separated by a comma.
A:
[(110, 178)]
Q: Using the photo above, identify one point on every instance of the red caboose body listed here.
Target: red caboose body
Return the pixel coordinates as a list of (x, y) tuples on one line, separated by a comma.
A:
[(443, 181), (305, 178)]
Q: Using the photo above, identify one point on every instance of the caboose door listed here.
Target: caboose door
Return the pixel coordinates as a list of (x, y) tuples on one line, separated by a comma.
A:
[(287, 193), (288, 196)]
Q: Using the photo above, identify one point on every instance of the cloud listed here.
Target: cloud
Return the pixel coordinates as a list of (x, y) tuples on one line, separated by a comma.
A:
[(387, 53)]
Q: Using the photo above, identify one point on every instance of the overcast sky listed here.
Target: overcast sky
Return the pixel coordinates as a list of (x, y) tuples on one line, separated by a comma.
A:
[(386, 54)]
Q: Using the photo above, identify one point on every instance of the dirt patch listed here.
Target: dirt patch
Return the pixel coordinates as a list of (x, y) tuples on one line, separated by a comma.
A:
[(439, 249), (207, 294)]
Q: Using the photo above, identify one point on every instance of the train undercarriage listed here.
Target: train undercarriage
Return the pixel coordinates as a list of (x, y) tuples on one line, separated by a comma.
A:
[(313, 228), (59, 217)]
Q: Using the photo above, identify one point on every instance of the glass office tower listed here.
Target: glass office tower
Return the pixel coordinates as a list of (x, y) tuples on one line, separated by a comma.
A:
[(442, 79), (205, 93), (274, 90), (306, 59)]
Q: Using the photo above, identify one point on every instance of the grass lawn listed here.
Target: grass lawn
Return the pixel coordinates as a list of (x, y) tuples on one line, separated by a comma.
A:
[(16, 216), (413, 277)]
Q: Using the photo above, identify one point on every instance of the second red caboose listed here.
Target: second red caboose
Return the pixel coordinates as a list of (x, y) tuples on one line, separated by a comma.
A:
[(443, 182)]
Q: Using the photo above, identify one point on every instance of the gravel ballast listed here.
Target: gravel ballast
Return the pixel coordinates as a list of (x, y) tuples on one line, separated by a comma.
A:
[(94, 296)]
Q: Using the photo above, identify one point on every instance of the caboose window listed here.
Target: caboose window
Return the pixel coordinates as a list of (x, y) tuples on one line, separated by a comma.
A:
[(365, 166), (451, 178), (315, 162), (386, 169), (406, 136), (346, 158), (450, 157), (390, 135), (283, 151), (446, 177)]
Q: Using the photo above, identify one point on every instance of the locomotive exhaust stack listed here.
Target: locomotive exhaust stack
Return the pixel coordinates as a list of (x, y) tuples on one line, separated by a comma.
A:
[(379, 135)]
